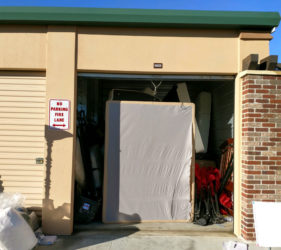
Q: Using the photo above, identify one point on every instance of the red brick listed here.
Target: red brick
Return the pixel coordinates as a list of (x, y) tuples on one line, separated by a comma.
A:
[(248, 220), (248, 129), (248, 215), (261, 129), (256, 166), (248, 81), (268, 191), (247, 110), (275, 139), (268, 172), (252, 191), (268, 115), (248, 91), (254, 163), (251, 181), (268, 182), (275, 101), (261, 148), (275, 129), (269, 87), (247, 224), (248, 196), (269, 96), (252, 153), (252, 115), (269, 77), (262, 101), (262, 91), (261, 120), (274, 167), (269, 105), (268, 163), (248, 101), (268, 143), (261, 158), (249, 230), (274, 158), (247, 236), (252, 172), (262, 110), (275, 110), (272, 125), (248, 120), (254, 86), (247, 186)]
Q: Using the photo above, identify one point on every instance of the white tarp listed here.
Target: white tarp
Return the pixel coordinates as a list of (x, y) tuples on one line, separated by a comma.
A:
[(267, 218), (148, 161)]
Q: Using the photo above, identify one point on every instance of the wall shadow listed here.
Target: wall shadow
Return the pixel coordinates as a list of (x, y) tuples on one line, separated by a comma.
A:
[(61, 213), (111, 195), (164, 32), (1, 185), (112, 163)]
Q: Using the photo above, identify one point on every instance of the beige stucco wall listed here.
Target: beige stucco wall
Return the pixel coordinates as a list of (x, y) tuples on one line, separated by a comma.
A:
[(23, 47), (57, 211), (247, 47), (135, 50)]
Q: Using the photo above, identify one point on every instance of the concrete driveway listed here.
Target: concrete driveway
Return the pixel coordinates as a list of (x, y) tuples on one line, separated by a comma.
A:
[(155, 236)]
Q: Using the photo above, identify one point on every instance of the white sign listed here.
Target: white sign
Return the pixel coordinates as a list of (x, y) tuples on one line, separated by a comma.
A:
[(267, 217), (59, 111)]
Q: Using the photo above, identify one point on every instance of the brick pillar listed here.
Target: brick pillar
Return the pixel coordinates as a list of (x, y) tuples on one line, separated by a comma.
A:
[(261, 145)]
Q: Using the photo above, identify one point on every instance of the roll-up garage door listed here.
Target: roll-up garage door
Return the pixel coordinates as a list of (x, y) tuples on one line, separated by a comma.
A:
[(22, 119)]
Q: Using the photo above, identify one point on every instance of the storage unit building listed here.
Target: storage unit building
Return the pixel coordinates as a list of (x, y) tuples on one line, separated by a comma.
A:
[(44, 51)]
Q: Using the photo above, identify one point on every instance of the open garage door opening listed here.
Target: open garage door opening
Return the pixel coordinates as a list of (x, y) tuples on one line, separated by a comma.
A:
[(210, 174)]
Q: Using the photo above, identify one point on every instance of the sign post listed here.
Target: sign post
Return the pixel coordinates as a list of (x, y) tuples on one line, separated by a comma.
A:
[(59, 114)]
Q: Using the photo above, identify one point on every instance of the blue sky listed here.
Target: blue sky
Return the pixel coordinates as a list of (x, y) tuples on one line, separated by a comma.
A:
[(240, 5)]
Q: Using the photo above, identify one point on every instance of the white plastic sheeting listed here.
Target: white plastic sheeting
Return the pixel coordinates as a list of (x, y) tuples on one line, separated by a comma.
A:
[(267, 223), (148, 159), (15, 233)]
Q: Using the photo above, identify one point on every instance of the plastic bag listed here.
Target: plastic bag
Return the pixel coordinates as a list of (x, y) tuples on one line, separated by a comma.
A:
[(15, 233), (11, 200)]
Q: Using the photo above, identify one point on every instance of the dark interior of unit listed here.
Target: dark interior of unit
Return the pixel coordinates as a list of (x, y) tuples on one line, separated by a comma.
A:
[(92, 96)]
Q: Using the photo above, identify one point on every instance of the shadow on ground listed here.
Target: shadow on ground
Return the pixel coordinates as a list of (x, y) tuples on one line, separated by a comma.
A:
[(89, 240)]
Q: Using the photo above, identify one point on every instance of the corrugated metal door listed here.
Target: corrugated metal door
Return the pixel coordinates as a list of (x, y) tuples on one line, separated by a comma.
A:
[(22, 120)]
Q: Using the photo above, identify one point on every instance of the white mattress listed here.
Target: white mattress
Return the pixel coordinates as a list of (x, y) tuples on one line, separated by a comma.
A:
[(148, 162)]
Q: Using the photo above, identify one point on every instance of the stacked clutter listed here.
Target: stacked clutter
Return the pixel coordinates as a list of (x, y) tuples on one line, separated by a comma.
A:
[(226, 170), (214, 189), (88, 170), (206, 201)]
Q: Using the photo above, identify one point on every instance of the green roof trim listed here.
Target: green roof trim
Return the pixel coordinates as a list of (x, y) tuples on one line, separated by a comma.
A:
[(140, 17)]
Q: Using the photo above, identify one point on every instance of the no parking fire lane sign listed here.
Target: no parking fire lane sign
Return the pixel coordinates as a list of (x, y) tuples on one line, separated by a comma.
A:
[(59, 112)]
